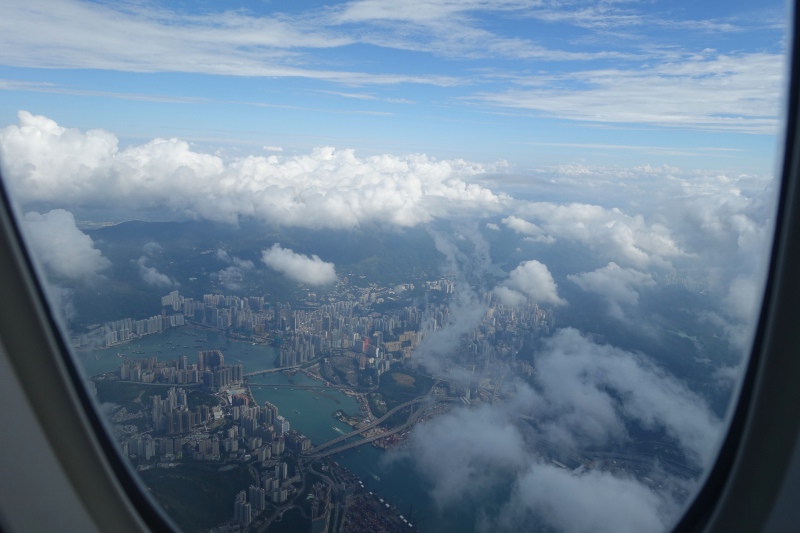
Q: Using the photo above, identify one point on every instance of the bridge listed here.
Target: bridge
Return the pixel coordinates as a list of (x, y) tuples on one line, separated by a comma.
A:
[(322, 388), (270, 370), (315, 451), (365, 428), (408, 423)]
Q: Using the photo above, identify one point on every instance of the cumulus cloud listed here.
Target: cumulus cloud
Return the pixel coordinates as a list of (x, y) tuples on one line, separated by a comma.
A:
[(581, 382), (486, 449), (534, 233), (618, 285), (45, 162), (472, 461), (492, 226), (531, 279), (152, 276), (64, 250), (301, 268), (607, 502), (608, 232)]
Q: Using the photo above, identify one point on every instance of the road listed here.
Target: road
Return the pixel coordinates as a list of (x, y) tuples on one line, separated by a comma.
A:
[(270, 370), (368, 426), (307, 387), (408, 423)]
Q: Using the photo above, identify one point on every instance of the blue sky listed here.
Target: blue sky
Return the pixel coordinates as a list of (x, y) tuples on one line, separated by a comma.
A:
[(535, 83)]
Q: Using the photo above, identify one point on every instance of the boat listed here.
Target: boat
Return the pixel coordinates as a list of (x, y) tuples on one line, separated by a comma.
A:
[(296, 411), (316, 397)]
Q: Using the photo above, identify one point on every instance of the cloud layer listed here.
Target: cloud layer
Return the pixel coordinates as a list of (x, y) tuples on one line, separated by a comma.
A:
[(708, 227), (583, 398), (45, 162)]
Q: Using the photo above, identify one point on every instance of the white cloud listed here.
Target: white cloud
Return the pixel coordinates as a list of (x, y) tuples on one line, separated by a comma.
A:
[(74, 34), (273, 149), (577, 405), (738, 93), (607, 502), (460, 464), (616, 284), (492, 226), (301, 268), (608, 232), (584, 397), (152, 276), (534, 232), (646, 217), (485, 450), (531, 279), (63, 249), (325, 188), (510, 296)]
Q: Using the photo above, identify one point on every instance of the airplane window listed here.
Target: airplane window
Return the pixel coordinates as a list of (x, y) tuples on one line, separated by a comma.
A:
[(402, 266)]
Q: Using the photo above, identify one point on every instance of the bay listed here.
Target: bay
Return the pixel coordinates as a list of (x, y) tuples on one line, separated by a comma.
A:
[(391, 476), (173, 343)]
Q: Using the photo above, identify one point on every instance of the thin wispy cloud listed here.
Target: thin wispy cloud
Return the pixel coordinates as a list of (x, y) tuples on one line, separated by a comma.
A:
[(587, 75), (74, 34), (52, 88), (720, 93)]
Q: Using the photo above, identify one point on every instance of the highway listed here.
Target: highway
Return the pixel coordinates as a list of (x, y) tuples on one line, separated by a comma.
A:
[(378, 421), (270, 370), (408, 423), (306, 387), (365, 428), (315, 453)]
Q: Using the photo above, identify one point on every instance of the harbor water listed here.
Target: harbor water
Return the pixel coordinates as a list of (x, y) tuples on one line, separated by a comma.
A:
[(390, 475)]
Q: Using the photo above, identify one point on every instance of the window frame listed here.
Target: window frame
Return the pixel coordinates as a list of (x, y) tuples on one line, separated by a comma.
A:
[(67, 417), (752, 467)]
